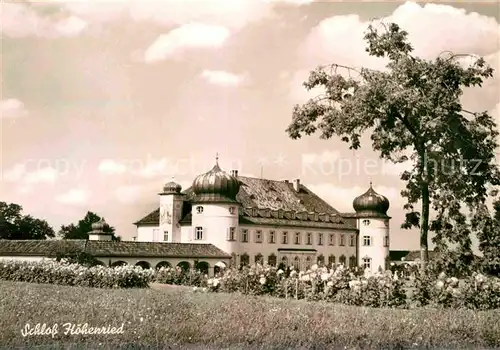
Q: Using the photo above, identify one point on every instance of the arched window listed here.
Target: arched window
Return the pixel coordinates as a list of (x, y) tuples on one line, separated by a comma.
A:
[(271, 260), (234, 260), (352, 261), (296, 263), (244, 260), (199, 209), (284, 261), (331, 260), (321, 259), (342, 260), (258, 258)]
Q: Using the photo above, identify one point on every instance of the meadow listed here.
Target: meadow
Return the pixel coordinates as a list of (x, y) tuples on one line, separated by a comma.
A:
[(181, 318)]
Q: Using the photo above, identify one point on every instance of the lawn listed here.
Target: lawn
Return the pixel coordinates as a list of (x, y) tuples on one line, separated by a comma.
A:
[(180, 318)]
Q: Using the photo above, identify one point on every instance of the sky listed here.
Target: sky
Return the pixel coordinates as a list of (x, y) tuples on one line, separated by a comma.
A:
[(104, 102)]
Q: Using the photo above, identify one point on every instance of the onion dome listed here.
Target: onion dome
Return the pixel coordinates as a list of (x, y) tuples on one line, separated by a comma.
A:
[(99, 227), (215, 186), (371, 204), (172, 187)]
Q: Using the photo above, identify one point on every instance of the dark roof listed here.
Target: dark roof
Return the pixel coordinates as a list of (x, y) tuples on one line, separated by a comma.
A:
[(109, 248), (40, 247), (396, 255), (264, 194)]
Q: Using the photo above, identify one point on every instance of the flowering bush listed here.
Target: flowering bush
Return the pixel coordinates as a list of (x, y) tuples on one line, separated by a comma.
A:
[(49, 271), (178, 276)]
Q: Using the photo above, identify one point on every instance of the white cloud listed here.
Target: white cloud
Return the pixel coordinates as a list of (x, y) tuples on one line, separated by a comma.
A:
[(128, 194), (432, 29), (42, 175), (73, 196), (14, 174), (20, 20), (222, 78), (188, 36), (111, 167), (11, 108), (153, 168)]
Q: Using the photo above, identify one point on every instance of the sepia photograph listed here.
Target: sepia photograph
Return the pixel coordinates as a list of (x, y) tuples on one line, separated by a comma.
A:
[(249, 174)]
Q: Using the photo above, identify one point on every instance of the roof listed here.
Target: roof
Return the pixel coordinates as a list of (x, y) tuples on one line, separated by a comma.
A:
[(274, 196), (397, 255), (110, 248)]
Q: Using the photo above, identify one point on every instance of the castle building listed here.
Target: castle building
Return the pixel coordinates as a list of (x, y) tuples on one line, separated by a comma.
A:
[(257, 220)]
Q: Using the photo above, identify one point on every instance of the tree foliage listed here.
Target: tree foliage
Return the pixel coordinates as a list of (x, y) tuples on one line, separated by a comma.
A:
[(413, 108), (15, 225), (81, 229)]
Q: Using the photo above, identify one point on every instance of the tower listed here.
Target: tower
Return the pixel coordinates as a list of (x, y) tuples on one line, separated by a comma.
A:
[(215, 210), (170, 213), (97, 233), (373, 225)]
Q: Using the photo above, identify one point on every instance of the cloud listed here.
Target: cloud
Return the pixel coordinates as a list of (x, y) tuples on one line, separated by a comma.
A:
[(12, 108), (42, 175), (234, 14), (222, 78), (73, 196), (19, 20), (111, 167), (432, 29), (188, 36), (153, 168), (129, 193), (14, 174)]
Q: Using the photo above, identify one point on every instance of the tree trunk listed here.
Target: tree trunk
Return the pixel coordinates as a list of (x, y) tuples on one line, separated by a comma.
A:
[(424, 219)]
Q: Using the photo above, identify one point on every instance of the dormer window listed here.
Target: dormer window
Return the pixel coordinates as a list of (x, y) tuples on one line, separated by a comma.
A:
[(199, 209), (232, 210)]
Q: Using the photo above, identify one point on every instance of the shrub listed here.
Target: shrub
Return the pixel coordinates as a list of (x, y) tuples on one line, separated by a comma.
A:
[(64, 273)]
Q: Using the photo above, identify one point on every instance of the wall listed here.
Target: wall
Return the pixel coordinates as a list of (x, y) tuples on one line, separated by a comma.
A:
[(146, 233), (25, 258)]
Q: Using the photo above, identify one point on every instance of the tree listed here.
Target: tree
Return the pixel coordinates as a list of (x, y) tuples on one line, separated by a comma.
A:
[(15, 225), (412, 107), (83, 227), (488, 227)]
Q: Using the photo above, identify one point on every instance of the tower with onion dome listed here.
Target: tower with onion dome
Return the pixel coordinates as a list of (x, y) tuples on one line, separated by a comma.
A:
[(215, 210), (98, 231), (373, 225), (170, 213)]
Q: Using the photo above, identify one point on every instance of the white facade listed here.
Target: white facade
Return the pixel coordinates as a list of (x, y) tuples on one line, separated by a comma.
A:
[(373, 243)]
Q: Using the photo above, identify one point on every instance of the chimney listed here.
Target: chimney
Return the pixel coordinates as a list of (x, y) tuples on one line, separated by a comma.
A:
[(234, 173), (296, 185)]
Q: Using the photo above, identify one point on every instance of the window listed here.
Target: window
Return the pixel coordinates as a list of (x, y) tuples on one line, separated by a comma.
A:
[(296, 263), (244, 236), (198, 233), (258, 258), (309, 238), (352, 261), (232, 210), (156, 235), (342, 260), (234, 259), (165, 236), (366, 222), (284, 261), (258, 236), (244, 259), (331, 239), (352, 240), (331, 260), (367, 240), (232, 233), (367, 263), (285, 238), (297, 237), (320, 239), (386, 241), (199, 209), (272, 237), (271, 260), (321, 260), (342, 240)]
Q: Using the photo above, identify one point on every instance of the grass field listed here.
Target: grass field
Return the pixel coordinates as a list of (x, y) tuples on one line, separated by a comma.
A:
[(181, 319)]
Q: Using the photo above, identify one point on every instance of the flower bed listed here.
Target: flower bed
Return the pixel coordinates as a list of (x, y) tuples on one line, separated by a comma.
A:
[(49, 271)]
